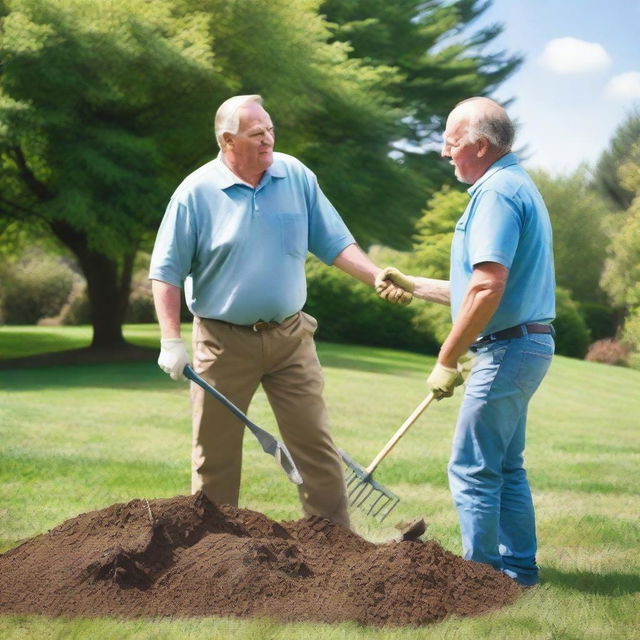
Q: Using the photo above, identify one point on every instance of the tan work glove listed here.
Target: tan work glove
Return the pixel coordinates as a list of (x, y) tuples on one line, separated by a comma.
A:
[(443, 380), (465, 364), (173, 357), (394, 286)]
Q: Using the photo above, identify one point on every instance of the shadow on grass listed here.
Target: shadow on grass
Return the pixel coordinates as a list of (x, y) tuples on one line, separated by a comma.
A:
[(373, 359), (605, 584)]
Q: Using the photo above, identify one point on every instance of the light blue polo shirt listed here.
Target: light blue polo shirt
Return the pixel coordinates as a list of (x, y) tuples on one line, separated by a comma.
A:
[(506, 222), (240, 251)]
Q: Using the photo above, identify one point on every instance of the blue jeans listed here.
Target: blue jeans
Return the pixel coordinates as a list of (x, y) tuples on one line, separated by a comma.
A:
[(486, 475)]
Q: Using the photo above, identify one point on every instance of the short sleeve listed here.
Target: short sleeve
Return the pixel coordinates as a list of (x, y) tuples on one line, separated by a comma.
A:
[(328, 234), (173, 250)]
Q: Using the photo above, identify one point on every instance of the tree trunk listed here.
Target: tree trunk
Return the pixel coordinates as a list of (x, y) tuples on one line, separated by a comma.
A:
[(108, 286)]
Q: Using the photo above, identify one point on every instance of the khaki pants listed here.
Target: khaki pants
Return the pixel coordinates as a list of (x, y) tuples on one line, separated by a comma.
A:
[(236, 360)]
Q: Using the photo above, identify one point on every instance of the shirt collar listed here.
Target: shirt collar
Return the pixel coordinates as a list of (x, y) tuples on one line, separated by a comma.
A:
[(505, 161), (225, 178)]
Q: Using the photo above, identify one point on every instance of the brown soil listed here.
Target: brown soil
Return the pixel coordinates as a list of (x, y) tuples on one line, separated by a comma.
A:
[(185, 556)]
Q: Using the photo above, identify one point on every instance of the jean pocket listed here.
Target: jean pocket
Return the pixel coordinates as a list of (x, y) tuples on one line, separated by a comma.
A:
[(533, 367)]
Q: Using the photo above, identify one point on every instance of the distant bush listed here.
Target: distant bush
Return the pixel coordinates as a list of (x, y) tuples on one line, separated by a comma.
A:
[(609, 351), (77, 311), (631, 332), (349, 311), (601, 319), (34, 287), (572, 333), (140, 308)]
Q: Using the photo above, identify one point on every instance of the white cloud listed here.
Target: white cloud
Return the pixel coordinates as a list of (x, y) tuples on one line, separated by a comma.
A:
[(625, 86), (571, 55)]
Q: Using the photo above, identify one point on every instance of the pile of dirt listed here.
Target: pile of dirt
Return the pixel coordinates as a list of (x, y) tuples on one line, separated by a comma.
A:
[(185, 556)]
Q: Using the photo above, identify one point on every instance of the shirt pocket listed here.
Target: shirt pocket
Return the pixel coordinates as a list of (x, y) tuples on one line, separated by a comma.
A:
[(295, 240)]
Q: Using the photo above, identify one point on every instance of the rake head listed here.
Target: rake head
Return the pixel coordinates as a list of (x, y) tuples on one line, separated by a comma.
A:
[(365, 493)]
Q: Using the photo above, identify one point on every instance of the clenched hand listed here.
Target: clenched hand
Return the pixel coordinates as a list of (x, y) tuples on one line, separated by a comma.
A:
[(395, 287), (173, 357)]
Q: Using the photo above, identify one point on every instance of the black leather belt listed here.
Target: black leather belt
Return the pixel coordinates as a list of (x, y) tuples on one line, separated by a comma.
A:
[(516, 332)]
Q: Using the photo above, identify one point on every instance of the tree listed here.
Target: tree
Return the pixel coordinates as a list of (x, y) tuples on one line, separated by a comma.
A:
[(621, 277), (577, 215), (607, 178), (105, 107), (432, 251), (440, 63), (99, 104)]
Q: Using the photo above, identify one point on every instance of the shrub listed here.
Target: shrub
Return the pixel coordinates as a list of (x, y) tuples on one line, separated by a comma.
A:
[(608, 351), (35, 287), (631, 332), (348, 311), (572, 333), (601, 319), (77, 311)]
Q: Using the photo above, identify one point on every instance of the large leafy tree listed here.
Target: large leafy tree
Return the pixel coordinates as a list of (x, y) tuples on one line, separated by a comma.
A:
[(621, 277), (440, 58), (100, 104), (607, 175), (578, 216), (105, 106)]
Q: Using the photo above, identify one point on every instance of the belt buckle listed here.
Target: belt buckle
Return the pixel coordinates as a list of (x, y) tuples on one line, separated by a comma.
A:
[(260, 325)]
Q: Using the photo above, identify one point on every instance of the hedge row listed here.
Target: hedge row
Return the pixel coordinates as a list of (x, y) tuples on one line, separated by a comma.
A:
[(346, 310)]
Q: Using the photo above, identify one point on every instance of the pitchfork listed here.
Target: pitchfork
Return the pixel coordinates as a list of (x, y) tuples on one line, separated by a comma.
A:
[(361, 486)]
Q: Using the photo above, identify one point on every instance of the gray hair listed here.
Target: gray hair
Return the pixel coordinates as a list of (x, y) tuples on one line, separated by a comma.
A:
[(227, 118), (489, 120)]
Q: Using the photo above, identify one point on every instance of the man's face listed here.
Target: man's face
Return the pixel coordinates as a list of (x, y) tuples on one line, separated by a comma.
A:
[(464, 155), (253, 144)]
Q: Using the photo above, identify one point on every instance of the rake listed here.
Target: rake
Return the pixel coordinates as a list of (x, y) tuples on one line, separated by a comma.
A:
[(364, 492)]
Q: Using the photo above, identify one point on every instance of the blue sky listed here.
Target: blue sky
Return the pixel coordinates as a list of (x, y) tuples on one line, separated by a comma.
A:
[(580, 78)]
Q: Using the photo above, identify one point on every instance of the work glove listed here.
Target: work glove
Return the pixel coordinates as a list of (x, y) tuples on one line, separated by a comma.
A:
[(443, 380), (173, 357), (395, 287), (465, 364)]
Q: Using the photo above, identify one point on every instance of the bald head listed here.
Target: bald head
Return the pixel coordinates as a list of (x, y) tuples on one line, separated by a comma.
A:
[(478, 133), (485, 118)]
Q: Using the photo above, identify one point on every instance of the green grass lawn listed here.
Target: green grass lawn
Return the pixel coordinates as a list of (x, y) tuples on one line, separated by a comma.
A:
[(78, 438)]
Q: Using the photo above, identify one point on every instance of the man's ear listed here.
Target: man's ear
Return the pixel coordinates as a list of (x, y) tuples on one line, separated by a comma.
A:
[(228, 139), (483, 147)]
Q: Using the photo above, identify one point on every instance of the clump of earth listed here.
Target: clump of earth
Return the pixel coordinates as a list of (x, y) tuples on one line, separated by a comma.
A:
[(187, 557)]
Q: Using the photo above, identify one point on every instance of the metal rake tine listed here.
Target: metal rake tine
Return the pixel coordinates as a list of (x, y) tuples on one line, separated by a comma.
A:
[(384, 506), (373, 506), (360, 488), (364, 498), (352, 478), (391, 508), (357, 486)]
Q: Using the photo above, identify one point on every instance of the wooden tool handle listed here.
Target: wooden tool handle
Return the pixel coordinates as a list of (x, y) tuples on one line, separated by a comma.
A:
[(399, 433)]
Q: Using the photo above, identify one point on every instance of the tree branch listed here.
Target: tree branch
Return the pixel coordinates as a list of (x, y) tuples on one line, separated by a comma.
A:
[(39, 189)]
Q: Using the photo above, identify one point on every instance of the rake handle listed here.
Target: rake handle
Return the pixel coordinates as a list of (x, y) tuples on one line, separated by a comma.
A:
[(399, 433)]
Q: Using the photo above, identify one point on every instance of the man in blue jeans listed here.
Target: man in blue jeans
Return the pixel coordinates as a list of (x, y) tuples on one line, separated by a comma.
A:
[(501, 292)]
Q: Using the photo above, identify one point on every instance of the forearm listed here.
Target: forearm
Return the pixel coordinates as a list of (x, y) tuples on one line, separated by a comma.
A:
[(166, 298), (432, 290), (478, 306), (356, 263)]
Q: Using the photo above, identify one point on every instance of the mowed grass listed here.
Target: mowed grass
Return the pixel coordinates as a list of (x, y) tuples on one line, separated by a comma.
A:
[(79, 438)]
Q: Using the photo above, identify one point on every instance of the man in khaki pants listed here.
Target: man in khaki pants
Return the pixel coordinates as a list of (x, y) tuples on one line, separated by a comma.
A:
[(236, 233)]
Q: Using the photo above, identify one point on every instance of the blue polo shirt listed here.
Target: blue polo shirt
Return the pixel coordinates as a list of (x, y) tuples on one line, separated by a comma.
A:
[(240, 251), (506, 221)]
